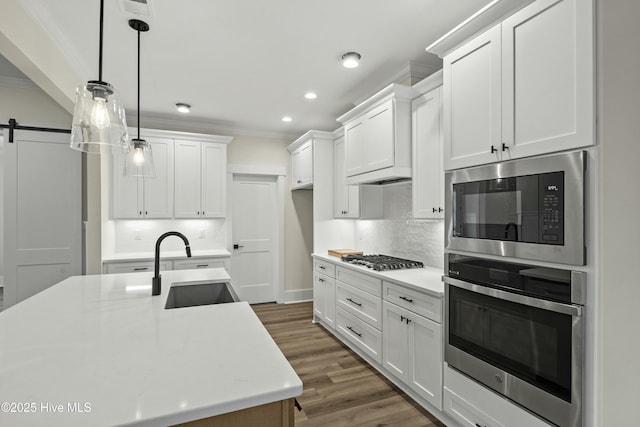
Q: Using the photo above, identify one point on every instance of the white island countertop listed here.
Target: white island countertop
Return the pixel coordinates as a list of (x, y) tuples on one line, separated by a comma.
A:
[(100, 350)]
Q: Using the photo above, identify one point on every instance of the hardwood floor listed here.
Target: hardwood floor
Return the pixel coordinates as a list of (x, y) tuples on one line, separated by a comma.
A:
[(340, 388)]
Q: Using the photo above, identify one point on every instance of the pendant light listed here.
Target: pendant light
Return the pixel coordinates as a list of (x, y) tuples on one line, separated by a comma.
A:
[(139, 158), (99, 124)]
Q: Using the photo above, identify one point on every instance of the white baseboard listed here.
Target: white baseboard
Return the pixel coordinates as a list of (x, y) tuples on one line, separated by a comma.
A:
[(297, 295)]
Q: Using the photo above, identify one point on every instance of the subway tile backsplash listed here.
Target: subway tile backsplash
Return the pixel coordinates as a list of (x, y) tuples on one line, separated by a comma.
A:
[(399, 234)]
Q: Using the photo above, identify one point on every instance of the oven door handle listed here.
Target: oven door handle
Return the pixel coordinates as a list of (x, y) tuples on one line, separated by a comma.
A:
[(558, 307)]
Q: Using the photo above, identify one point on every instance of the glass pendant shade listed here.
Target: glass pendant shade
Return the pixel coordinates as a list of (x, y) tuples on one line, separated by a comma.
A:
[(139, 159), (99, 124)]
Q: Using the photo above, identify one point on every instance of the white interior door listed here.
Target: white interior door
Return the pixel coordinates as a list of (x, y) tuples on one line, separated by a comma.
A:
[(42, 212), (255, 223)]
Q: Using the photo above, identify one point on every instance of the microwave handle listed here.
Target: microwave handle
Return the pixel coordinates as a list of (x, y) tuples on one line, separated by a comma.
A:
[(558, 307)]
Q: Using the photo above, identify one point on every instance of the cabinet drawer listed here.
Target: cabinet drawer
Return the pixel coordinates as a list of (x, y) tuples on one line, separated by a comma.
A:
[(422, 304), (192, 264), (361, 304), (358, 280), (465, 413), (365, 337), (135, 267), (324, 267)]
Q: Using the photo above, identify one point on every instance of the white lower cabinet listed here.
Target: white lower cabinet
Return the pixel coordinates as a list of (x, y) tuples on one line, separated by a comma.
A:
[(135, 266), (192, 264), (361, 334), (141, 266), (324, 298), (412, 351), (464, 397)]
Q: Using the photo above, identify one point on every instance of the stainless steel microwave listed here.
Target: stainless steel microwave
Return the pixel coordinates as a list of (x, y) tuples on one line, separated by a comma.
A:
[(529, 208)]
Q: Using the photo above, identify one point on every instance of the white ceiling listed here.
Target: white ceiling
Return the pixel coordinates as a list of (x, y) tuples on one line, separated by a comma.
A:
[(242, 64)]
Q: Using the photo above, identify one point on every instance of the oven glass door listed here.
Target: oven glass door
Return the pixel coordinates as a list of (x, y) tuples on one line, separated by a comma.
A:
[(510, 209), (528, 342)]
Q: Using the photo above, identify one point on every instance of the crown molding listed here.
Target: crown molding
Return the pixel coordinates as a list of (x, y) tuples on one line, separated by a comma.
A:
[(206, 126)]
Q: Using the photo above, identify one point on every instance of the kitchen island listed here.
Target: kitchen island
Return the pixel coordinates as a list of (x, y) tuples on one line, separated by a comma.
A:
[(100, 350)]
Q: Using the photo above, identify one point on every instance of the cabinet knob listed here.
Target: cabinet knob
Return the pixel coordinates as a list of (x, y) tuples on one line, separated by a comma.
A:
[(198, 213), (140, 213), (146, 212), (299, 181), (493, 149)]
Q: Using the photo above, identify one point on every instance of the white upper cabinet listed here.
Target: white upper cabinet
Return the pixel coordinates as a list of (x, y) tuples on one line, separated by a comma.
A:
[(346, 198), (137, 197), (428, 176), (472, 102), (524, 87), (353, 201), (302, 158), (378, 137), (302, 167), (200, 179)]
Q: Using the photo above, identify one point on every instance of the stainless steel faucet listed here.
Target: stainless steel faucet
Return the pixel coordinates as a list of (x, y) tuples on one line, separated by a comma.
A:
[(156, 283)]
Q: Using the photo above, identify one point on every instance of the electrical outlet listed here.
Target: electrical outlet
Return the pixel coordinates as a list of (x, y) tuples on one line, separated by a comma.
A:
[(137, 235), (203, 233)]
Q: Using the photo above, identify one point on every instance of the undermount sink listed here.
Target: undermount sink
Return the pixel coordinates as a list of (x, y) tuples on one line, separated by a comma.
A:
[(201, 294)]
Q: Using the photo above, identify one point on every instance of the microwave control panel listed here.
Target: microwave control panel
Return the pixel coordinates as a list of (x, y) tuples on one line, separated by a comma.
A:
[(551, 205)]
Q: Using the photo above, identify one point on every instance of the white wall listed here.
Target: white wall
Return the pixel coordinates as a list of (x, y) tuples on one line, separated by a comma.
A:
[(618, 379), (398, 234)]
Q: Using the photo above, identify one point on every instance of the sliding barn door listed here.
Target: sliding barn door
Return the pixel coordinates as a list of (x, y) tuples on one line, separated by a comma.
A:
[(42, 213)]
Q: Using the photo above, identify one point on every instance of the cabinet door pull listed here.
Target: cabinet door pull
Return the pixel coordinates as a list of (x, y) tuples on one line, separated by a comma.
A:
[(146, 212), (493, 149), (299, 181), (407, 320), (434, 210), (402, 297), (322, 267), (321, 280), (202, 265), (505, 147), (352, 330), (440, 209), (353, 302), (140, 269), (140, 213)]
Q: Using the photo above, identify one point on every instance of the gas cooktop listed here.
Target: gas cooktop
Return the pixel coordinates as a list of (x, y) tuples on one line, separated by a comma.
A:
[(381, 262)]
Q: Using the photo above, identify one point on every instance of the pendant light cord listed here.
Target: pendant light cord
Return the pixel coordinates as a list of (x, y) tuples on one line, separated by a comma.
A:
[(101, 36), (138, 84)]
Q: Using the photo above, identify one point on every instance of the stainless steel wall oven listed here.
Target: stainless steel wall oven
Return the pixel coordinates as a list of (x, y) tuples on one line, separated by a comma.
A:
[(519, 330), (528, 208)]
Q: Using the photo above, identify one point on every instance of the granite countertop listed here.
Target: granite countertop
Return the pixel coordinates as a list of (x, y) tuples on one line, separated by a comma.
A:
[(100, 350), (427, 279), (180, 254)]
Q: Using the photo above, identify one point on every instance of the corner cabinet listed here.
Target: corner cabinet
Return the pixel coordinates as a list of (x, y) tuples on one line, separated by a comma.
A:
[(138, 197), (378, 137), (200, 179), (524, 87), (428, 175), (302, 158)]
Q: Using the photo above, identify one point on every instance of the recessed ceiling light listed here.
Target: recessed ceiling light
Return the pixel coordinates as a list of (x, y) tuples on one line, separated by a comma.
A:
[(310, 95), (286, 119), (351, 59), (183, 108)]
